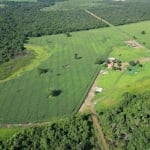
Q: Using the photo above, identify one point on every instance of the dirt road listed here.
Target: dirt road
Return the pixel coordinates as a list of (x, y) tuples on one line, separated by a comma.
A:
[(99, 18), (88, 104), (99, 129)]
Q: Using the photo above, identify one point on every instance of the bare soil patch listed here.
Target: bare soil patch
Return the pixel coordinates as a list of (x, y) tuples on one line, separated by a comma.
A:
[(133, 44)]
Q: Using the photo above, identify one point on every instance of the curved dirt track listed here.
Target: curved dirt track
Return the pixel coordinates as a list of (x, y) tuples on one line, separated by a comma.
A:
[(88, 104)]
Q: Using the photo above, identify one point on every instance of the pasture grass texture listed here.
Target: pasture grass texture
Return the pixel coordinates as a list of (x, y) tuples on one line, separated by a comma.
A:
[(127, 53), (6, 133), (115, 83), (136, 29), (26, 97)]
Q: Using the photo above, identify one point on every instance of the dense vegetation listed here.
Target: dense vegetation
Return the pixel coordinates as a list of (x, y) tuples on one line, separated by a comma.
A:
[(119, 13), (73, 133), (127, 126), (27, 20)]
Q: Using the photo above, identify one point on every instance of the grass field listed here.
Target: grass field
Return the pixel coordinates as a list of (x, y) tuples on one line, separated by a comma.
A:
[(136, 29), (6, 133), (29, 92), (115, 82)]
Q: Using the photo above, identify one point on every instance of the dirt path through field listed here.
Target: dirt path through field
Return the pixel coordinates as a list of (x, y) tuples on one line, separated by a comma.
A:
[(132, 42), (89, 104), (98, 128), (99, 18)]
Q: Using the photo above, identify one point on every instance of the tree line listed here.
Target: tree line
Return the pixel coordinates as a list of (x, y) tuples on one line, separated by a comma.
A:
[(75, 132), (127, 126), (27, 20)]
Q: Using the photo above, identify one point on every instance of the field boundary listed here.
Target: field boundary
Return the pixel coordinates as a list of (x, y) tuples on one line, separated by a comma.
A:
[(115, 27), (88, 90), (89, 104), (98, 129), (40, 55), (99, 18)]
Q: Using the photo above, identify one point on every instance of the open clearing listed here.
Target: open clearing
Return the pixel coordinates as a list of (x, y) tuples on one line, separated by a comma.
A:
[(115, 82), (29, 94)]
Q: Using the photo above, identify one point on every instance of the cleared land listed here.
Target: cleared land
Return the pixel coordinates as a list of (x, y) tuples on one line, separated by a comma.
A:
[(29, 94), (115, 82)]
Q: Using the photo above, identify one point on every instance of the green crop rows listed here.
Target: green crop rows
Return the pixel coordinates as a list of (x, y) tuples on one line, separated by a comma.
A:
[(27, 98)]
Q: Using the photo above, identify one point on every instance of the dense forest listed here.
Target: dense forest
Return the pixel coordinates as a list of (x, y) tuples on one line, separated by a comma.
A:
[(27, 20), (127, 126), (73, 133), (119, 13)]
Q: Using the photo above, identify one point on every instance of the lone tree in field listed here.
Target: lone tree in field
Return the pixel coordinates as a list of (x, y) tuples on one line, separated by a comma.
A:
[(54, 92), (42, 70), (68, 34), (76, 56), (134, 37), (143, 32)]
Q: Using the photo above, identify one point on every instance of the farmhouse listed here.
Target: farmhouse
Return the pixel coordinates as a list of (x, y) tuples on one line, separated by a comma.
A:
[(110, 65), (111, 62)]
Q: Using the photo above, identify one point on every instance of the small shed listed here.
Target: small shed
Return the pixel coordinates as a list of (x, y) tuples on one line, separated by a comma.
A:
[(111, 59), (98, 90), (103, 72)]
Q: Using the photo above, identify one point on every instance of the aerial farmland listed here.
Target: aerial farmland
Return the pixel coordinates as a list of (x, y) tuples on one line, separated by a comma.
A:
[(76, 72)]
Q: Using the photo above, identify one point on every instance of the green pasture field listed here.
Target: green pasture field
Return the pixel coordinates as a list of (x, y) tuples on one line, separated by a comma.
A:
[(6, 133), (25, 96), (115, 83), (29, 92), (127, 53), (136, 29)]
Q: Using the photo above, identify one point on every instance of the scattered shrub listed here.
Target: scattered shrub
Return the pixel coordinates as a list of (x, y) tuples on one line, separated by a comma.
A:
[(143, 32), (42, 70)]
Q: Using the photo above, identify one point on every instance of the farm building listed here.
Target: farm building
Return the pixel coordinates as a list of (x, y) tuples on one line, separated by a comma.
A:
[(110, 62), (110, 65), (111, 59), (103, 72), (98, 90)]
